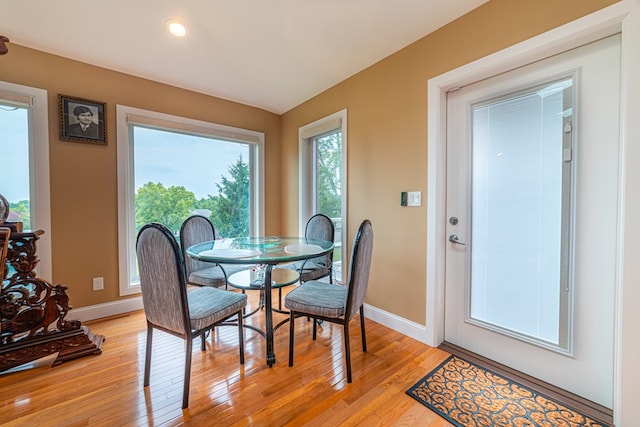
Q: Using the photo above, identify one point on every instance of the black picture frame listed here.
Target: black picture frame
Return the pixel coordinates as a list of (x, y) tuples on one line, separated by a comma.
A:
[(74, 124)]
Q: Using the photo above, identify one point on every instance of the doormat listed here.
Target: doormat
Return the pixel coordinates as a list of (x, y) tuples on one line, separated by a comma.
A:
[(468, 395)]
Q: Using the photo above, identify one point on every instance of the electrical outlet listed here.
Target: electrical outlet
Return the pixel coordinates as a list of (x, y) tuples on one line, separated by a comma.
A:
[(98, 283)]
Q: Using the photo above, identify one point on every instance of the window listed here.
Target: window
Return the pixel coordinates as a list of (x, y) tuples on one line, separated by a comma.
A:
[(171, 167), (327, 165), (521, 222), (323, 151), (24, 144)]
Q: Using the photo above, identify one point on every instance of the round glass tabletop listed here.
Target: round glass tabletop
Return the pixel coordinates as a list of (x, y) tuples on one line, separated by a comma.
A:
[(259, 250)]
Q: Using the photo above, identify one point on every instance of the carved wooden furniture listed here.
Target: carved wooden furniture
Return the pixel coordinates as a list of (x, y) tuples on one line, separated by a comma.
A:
[(33, 312), (4, 245)]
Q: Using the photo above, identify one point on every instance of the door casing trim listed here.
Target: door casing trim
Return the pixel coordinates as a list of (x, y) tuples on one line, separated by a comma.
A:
[(620, 17)]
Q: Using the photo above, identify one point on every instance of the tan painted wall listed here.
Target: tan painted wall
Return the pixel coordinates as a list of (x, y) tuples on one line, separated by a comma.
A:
[(387, 137), (83, 176), (387, 112)]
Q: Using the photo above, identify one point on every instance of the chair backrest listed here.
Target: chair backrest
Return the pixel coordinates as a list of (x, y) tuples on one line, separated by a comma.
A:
[(5, 233), (360, 267), (162, 282), (320, 227), (195, 229)]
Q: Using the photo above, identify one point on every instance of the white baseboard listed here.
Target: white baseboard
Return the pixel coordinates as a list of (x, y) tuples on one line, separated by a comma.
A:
[(397, 323), (98, 311), (390, 320)]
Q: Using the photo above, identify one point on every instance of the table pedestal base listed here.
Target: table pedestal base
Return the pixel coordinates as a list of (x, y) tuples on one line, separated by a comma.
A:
[(274, 278)]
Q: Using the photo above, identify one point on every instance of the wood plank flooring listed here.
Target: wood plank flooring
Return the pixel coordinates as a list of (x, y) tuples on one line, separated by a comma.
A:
[(106, 390)]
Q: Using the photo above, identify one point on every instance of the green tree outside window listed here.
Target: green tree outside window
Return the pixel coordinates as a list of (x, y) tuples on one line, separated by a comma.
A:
[(171, 206)]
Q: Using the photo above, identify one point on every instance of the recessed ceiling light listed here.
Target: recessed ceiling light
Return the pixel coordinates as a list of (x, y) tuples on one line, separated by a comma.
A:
[(176, 28)]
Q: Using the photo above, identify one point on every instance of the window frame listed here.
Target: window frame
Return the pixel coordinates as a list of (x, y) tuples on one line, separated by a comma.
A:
[(126, 119), (307, 176), (35, 100)]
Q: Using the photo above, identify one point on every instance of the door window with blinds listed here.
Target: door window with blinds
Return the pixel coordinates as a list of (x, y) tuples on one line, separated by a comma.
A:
[(521, 213), (171, 168)]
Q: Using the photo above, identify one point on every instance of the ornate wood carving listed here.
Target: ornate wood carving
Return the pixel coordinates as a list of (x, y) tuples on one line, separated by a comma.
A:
[(33, 312), (30, 306), (69, 345), (22, 254)]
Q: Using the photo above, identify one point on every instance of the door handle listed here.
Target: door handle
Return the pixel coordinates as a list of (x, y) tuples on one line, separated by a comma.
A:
[(454, 239)]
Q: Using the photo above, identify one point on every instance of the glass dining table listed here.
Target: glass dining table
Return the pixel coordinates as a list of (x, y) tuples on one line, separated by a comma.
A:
[(264, 251)]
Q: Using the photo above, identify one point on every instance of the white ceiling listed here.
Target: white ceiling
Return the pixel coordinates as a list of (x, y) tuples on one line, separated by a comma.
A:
[(271, 54)]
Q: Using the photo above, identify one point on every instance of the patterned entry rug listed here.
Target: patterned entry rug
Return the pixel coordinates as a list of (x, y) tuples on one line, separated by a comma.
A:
[(468, 395)]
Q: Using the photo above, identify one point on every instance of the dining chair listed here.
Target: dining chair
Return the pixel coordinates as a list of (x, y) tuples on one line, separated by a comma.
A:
[(170, 308), (5, 233), (336, 303), (198, 229), (318, 227)]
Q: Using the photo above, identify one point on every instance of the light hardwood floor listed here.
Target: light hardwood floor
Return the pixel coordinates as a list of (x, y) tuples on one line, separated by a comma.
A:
[(106, 390)]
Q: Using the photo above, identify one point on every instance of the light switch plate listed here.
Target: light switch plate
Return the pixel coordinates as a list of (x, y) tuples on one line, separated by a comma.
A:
[(414, 198)]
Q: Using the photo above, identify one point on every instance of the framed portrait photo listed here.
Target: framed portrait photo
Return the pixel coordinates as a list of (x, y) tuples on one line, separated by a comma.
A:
[(82, 120)]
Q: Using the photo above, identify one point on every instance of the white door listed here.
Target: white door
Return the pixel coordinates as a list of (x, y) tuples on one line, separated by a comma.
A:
[(532, 179)]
